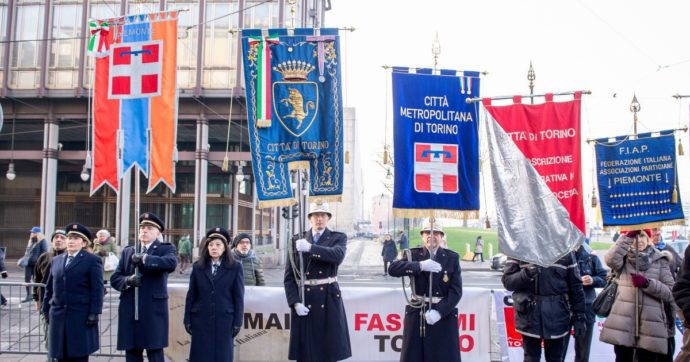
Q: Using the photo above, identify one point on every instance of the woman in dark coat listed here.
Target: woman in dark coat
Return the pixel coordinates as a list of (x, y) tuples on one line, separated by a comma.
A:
[(215, 300), (389, 252)]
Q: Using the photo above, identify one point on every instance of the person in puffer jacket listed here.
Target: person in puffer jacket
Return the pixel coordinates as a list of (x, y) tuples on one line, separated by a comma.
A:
[(251, 263), (646, 273), (547, 302)]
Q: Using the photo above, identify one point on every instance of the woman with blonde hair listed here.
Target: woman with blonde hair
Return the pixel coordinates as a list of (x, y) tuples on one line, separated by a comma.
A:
[(645, 281)]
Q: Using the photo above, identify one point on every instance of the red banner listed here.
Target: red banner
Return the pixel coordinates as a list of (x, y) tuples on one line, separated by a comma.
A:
[(548, 135)]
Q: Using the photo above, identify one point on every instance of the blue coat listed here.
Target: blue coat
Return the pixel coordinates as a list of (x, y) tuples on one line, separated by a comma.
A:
[(322, 335), (151, 330), (214, 305), (441, 342), (72, 294)]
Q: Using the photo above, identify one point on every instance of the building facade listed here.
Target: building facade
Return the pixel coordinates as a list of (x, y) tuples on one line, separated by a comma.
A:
[(45, 93)]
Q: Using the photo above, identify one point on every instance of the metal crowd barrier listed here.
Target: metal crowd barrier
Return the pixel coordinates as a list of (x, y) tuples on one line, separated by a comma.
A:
[(22, 329)]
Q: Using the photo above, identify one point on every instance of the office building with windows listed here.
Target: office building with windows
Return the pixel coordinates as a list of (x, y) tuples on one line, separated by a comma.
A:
[(45, 91)]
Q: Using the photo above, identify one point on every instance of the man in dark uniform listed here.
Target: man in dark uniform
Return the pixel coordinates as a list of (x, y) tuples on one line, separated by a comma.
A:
[(155, 261), (439, 324), (318, 329), (74, 299), (547, 301)]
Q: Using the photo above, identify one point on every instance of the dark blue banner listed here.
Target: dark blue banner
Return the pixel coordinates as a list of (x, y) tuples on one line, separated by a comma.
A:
[(294, 108), (637, 180), (436, 148)]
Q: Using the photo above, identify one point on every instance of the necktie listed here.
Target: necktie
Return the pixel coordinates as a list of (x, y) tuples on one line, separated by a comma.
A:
[(69, 260), (143, 249), (215, 269), (316, 237)]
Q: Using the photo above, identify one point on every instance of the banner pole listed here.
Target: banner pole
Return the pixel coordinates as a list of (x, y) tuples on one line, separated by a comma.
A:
[(137, 242), (300, 222), (480, 99)]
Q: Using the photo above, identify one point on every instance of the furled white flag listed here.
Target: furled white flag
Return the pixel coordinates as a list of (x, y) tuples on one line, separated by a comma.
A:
[(533, 225)]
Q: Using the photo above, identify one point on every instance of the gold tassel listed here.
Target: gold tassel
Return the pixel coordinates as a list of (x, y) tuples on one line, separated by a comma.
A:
[(226, 164), (674, 195), (680, 149), (385, 156), (263, 123), (488, 223), (347, 157)]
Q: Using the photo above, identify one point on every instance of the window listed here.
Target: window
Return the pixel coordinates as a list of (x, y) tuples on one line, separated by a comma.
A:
[(265, 16), (25, 60), (143, 7), (220, 46), (187, 45), (3, 37), (66, 27)]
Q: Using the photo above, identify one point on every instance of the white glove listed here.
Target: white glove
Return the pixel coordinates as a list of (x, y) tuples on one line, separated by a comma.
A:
[(430, 266), (432, 316), (303, 245), (302, 310)]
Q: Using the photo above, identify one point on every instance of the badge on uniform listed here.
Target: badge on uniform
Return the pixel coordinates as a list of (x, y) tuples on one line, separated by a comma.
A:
[(445, 276)]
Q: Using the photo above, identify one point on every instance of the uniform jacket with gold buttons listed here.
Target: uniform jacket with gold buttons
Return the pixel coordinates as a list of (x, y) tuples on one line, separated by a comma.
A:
[(322, 335)]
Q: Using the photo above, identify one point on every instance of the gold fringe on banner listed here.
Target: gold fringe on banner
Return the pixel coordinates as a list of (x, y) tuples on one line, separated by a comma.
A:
[(324, 199), (263, 123), (298, 165), (276, 203), (439, 213), (649, 225)]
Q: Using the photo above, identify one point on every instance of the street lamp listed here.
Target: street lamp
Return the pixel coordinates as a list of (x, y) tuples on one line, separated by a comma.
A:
[(10, 169), (239, 176)]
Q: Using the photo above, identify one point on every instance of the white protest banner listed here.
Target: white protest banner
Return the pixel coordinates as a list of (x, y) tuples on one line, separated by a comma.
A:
[(375, 320)]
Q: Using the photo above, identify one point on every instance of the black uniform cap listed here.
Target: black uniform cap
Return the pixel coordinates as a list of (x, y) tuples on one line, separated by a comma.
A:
[(218, 232), (78, 230), (149, 218)]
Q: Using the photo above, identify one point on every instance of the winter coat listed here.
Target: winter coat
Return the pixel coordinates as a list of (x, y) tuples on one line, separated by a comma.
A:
[(479, 246), (322, 335), (619, 327), (34, 250), (252, 266), (73, 293), (42, 271), (389, 251), (546, 303), (151, 330), (214, 305), (681, 290), (184, 247), (404, 242)]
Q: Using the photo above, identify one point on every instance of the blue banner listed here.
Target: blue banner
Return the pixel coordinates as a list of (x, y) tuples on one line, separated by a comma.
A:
[(294, 108), (637, 180), (435, 139)]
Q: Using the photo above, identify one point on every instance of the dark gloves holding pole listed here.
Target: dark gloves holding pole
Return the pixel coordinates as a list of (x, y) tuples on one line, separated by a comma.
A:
[(580, 326), (92, 320), (138, 259), (639, 280), (532, 270), (3, 274), (134, 280)]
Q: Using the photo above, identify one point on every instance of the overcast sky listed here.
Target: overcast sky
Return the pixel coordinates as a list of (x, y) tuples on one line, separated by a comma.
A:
[(613, 48)]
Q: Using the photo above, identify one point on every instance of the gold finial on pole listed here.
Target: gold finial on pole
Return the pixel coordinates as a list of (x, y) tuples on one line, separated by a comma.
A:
[(531, 76), (634, 108), (293, 13), (436, 51)]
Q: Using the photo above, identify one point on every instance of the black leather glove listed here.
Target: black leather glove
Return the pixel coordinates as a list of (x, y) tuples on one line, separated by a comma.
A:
[(92, 320), (532, 270), (580, 327), (235, 331), (188, 328), (134, 280), (138, 259), (3, 274)]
